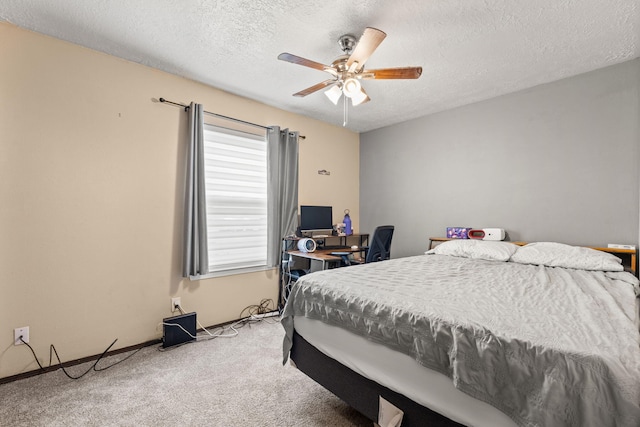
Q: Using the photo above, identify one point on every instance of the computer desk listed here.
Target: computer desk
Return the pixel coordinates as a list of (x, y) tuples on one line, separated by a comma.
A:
[(324, 257), (320, 259)]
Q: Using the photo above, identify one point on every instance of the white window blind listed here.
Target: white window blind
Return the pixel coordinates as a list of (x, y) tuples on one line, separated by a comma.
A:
[(236, 190)]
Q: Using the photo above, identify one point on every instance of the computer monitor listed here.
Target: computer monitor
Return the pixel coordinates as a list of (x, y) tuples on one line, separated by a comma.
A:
[(316, 218)]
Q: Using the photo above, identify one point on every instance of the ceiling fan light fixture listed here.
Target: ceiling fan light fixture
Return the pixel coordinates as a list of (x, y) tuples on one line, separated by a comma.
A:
[(359, 98), (351, 87), (334, 94)]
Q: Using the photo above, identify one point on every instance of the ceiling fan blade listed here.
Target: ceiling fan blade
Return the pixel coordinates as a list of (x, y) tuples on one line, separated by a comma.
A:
[(370, 40), (392, 73), (315, 88), (294, 59)]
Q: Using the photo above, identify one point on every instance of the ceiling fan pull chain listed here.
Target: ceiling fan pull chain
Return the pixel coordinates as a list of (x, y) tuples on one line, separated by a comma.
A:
[(344, 111)]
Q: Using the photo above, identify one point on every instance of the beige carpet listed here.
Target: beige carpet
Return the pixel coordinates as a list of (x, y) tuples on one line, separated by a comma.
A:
[(222, 382)]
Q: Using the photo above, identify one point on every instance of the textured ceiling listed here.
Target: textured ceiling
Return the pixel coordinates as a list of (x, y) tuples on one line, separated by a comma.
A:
[(469, 50)]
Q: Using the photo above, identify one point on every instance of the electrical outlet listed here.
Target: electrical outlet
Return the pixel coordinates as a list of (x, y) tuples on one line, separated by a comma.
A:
[(20, 332), (175, 303)]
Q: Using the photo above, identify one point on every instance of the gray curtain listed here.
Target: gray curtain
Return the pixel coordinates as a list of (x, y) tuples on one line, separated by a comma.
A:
[(283, 189), (196, 259)]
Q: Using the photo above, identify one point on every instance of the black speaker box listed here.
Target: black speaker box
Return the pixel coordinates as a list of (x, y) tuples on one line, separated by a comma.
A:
[(178, 329)]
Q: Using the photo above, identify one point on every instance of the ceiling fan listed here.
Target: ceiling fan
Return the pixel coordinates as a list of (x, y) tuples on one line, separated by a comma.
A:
[(348, 69)]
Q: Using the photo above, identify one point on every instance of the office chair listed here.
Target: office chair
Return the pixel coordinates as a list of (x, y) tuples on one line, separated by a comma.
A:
[(378, 250), (380, 247)]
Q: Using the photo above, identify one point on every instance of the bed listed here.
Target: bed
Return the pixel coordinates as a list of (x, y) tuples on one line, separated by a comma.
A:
[(475, 333)]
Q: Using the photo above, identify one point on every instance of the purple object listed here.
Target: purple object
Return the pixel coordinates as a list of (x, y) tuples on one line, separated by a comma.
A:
[(458, 232), (347, 223)]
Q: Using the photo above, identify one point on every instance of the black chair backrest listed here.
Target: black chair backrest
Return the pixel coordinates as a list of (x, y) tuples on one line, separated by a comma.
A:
[(380, 247)]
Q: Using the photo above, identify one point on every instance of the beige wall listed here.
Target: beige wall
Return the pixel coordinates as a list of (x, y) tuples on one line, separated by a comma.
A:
[(91, 187)]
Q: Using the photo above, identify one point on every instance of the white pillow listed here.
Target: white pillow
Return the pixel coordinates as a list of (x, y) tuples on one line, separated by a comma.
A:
[(477, 249), (560, 255)]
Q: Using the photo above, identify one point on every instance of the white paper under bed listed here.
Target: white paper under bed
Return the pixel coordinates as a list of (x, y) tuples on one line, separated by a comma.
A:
[(400, 373)]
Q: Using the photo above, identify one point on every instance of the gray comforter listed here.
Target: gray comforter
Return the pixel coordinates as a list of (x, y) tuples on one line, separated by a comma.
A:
[(547, 346)]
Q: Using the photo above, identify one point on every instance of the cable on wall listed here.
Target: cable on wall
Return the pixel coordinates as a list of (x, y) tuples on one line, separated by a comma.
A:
[(251, 314), (52, 350)]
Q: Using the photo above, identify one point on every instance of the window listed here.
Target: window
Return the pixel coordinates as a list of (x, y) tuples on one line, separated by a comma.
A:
[(235, 165)]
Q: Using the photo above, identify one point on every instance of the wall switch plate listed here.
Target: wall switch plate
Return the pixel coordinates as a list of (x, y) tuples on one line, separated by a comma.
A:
[(20, 332), (175, 302)]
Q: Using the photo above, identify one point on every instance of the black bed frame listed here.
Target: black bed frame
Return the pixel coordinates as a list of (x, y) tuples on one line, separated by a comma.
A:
[(359, 392)]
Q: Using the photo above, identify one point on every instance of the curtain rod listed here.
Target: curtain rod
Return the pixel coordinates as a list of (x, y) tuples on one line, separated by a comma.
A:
[(186, 107)]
